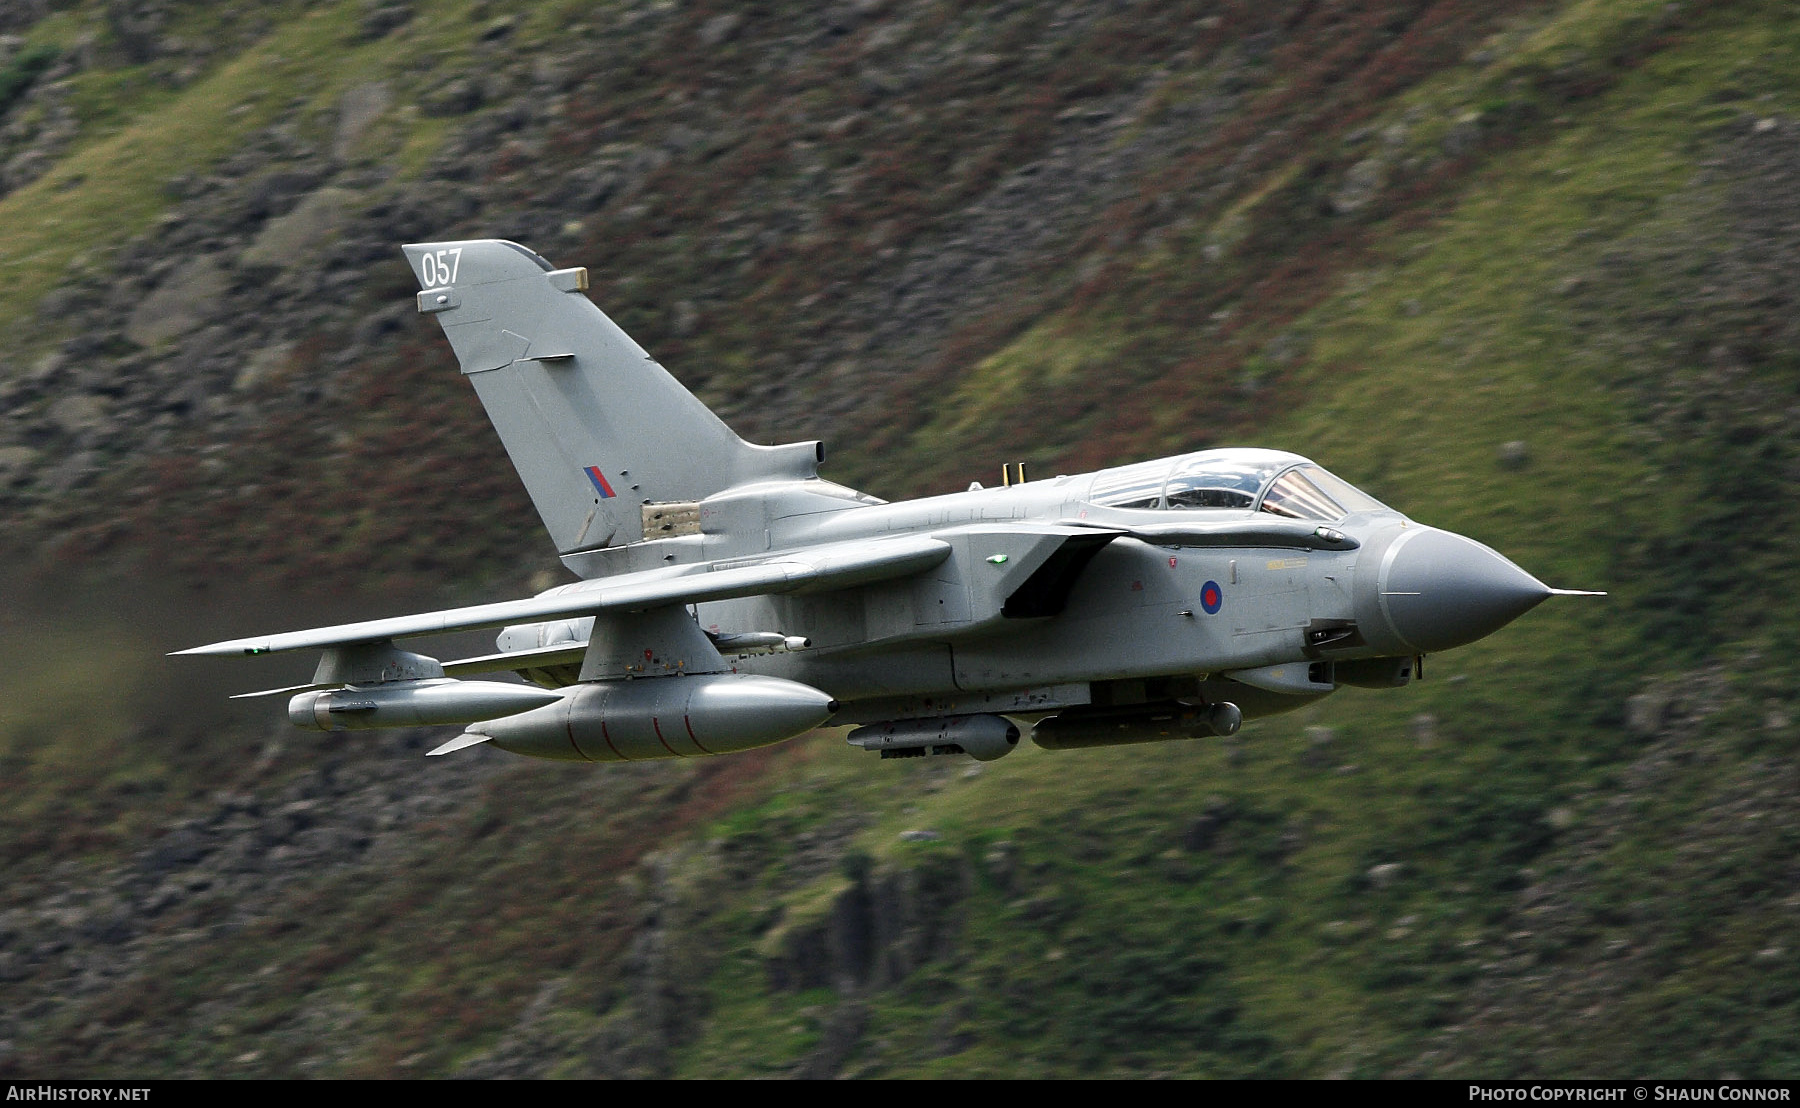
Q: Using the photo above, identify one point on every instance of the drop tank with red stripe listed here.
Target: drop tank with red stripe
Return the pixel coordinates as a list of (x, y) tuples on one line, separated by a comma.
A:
[(663, 717)]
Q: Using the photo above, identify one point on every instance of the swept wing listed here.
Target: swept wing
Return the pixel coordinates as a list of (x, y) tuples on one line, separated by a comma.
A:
[(839, 565)]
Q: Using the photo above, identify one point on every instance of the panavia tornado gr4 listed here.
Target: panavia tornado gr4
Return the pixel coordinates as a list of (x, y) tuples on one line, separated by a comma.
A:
[(731, 598)]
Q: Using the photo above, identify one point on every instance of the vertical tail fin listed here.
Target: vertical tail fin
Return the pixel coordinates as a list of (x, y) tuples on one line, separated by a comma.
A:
[(594, 426)]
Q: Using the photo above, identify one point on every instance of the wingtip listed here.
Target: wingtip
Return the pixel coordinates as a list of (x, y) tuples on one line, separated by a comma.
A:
[(233, 649)]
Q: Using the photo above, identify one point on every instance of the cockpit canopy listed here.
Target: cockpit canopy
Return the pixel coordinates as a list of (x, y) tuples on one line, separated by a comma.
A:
[(1263, 480)]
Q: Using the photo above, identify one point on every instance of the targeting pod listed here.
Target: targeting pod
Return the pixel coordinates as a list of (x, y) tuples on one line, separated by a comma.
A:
[(427, 703)]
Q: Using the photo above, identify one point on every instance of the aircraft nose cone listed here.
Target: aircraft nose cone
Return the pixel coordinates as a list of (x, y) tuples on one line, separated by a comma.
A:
[(1440, 590)]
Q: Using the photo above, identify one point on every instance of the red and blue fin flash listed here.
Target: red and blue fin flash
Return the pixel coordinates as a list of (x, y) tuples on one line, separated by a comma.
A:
[(600, 486)]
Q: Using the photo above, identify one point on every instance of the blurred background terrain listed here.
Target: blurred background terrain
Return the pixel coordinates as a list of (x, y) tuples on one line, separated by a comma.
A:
[(1526, 270)]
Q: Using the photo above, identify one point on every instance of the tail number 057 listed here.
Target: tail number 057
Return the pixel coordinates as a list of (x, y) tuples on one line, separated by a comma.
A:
[(440, 268)]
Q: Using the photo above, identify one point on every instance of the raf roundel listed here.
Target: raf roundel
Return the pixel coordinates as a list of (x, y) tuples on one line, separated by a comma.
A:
[(1211, 597)]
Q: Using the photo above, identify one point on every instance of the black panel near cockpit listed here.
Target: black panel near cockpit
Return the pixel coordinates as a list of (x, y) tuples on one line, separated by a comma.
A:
[(1046, 591)]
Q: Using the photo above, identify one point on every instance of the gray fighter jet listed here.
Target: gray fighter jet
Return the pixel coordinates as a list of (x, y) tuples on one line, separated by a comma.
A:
[(731, 598)]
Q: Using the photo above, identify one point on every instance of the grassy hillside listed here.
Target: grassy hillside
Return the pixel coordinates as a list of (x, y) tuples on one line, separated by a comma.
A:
[(1526, 273)]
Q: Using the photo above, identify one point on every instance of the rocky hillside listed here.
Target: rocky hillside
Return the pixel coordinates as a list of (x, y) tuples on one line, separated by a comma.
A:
[(1526, 270), (821, 217)]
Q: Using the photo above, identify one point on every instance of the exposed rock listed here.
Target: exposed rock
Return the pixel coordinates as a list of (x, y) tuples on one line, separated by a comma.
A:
[(302, 233), (1203, 833), (136, 29), (268, 195), (77, 413), (15, 461), (1645, 712), (382, 19), (38, 131), (1464, 135), (841, 1031), (914, 912), (457, 96), (104, 926), (1002, 863), (873, 929), (1361, 184), (181, 303), (720, 28), (360, 106), (1384, 875), (176, 850), (1342, 931), (797, 951), (1321, 743), (260, 365), (69, 472)]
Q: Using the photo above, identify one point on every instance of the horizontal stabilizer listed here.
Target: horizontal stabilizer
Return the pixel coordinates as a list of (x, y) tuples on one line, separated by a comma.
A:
[(562, 654), (836, 566), (461, 742)]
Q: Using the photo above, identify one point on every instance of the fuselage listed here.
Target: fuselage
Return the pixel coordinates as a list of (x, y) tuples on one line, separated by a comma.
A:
[(1245, 575)]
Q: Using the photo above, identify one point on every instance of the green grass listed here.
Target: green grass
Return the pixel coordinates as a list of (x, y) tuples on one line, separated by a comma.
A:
[(112, 186)]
